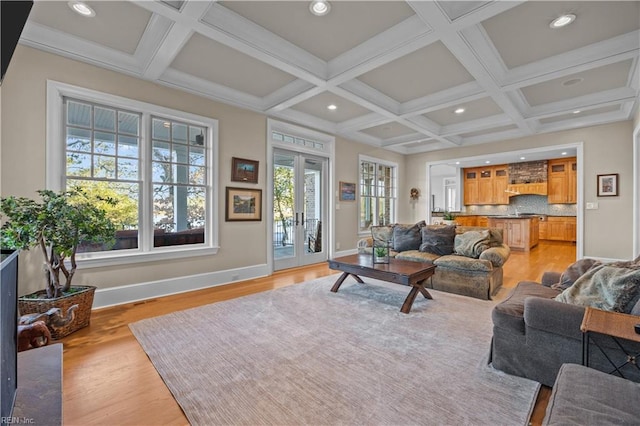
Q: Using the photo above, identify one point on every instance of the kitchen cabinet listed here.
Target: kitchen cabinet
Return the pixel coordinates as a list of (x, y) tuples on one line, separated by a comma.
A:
[(562, 176), (471, 177), (486, 185), (558, 228), (518, 233), (466, 220)]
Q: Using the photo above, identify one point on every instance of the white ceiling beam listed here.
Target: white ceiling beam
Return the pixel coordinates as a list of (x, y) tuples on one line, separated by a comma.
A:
[(170, 45), (45, 38), (363, 122), (286, 96), (596, 55), (498, 120), (399, 40), (457, 45), (208, 89), (605, 98), (466, 92)]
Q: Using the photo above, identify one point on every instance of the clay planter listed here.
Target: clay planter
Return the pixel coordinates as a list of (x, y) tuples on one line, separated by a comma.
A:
[(38, 303)]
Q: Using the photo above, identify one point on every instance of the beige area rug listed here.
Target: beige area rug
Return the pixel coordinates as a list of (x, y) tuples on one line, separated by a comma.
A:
[(303, 355)]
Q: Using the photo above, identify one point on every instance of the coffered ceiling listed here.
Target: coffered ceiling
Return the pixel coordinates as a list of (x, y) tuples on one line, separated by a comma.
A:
[(395, 70)]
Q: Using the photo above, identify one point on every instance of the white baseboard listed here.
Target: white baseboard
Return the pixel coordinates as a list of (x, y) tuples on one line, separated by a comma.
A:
[(345, 252), (135, 292)]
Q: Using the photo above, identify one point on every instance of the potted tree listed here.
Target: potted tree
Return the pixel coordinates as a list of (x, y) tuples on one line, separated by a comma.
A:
[(57, 225)]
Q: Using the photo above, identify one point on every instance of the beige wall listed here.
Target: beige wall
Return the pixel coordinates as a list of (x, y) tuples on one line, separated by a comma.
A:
[(242, 134), (607, 149), (346, 170)]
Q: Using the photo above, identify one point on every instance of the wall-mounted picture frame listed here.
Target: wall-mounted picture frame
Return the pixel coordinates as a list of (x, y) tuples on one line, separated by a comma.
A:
[(347, 191), (608, 185), (243, 204), (243, 170)]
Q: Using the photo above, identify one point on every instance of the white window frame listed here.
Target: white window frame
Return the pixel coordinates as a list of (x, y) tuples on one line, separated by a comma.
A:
[(377, 161), (56, 172)]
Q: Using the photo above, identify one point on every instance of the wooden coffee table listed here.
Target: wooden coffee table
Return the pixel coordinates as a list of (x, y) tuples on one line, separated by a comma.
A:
[(403, 272)]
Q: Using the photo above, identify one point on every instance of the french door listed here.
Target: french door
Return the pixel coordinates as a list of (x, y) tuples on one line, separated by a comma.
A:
[(299, 209)]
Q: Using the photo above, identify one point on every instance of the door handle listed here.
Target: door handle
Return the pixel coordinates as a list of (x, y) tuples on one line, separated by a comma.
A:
[(297, 223), (302, 218)]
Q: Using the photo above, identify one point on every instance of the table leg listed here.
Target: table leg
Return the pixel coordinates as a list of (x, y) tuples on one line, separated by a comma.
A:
[(408, 302), (341, 279), (424, 291)]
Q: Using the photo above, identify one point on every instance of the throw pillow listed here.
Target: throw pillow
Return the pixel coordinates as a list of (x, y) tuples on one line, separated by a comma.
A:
[(610, 287), (407, 237), (438, 239), (573, 272), (471, 243), (381, 234)]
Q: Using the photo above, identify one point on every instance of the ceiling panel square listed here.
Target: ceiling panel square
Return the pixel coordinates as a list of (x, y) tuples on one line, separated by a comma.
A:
[(594, 80), (317, 106), (423, 72), (347, 25), (571, 116), (489, 131), (473, 110), (118, 25), (215, 62), (522, 34), (388, 131)]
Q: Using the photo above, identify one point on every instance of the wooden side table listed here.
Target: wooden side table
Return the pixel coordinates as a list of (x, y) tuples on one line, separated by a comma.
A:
[(614, 324)]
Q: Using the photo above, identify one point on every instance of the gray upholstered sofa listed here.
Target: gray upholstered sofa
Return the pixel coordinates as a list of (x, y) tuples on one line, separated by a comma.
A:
[(584, 396), (534, 335), (479, 277)]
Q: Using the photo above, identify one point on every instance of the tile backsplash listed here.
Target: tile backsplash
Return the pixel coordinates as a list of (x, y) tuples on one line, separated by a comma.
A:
[(524, 204)]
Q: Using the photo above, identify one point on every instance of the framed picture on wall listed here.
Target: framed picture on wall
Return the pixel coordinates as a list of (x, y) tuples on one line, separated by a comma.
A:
[(243, 204), (243, 170), (347, 191), (608, 185)]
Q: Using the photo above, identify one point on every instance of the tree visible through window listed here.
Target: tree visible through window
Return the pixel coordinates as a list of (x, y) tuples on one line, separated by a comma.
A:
[(105, 153), (377, 193)]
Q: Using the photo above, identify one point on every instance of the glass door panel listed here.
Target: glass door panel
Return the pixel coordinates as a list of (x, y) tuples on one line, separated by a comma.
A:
[(299, 209)]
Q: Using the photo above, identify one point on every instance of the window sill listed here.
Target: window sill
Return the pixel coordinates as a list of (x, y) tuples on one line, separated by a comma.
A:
[(99, 260)]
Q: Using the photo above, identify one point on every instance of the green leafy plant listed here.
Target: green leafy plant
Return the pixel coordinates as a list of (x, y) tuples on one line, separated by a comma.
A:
[(447, 215), (381, 251), (56, 224)]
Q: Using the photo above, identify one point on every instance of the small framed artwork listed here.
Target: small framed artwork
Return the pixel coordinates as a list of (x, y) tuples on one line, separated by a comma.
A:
[(608, 185), (243, 204), (243, 170), (347, 191)]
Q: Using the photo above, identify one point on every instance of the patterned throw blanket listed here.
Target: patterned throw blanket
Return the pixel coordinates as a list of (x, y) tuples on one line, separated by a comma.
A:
[(610, 287)]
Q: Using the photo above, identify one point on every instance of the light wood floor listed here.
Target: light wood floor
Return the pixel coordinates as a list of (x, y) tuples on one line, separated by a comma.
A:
[(108, 378)]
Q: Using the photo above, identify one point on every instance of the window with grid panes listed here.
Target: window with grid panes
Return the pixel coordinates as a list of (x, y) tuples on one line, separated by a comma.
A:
[(377, 193), (160, 177)]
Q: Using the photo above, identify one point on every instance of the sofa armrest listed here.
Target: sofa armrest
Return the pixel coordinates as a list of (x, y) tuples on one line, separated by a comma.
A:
[(496, 255), (553, 316), (365, 242), (549, 278)]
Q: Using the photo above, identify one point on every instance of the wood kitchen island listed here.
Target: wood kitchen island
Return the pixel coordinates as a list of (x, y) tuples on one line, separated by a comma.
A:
[(519, 232)]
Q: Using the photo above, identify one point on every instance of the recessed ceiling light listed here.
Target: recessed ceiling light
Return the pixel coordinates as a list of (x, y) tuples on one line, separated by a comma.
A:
[(572, 81), (523, 158), (577, 111), (457, 162), (487, 162), (332, 107), (458, 110), (82, 9), (564, 153), (562, 21), (319, 7)]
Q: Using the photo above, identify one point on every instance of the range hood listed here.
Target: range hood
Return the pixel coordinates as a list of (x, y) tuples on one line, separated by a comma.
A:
[(538, 188)]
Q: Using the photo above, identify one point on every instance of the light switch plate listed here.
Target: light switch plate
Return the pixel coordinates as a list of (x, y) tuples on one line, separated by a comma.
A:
[(592, 206)]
